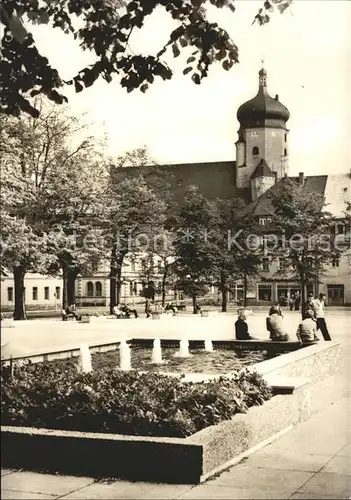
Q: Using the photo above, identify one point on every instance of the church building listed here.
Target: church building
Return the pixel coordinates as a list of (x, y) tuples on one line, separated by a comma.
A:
[(261, 166)]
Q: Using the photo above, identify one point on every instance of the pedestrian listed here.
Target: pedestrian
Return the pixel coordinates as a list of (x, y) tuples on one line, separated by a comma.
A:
[(241, 327), (291, 302), (274, 324), (306, 331), (297, 301), (308, 306), (319, 310)]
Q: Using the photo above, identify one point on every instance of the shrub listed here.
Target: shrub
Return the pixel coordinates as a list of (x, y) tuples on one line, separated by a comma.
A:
[(108, 400)]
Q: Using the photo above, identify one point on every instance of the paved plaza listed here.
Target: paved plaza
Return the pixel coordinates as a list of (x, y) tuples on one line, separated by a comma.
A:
[(48, 335), (312, 461)]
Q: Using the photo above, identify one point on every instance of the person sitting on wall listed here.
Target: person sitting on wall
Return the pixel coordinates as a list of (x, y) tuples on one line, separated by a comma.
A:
[(274, 324), (241, 327), (306, 331)]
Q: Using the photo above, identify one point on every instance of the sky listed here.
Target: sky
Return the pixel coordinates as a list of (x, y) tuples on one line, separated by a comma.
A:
[(307, 55)]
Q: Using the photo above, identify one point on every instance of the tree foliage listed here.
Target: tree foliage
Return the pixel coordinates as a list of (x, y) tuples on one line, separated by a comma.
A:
[(104, 27), (45, 185), (306, 240)]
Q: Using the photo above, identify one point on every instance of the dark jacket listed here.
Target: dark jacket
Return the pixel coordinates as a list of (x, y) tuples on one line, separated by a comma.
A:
[(241, 330)]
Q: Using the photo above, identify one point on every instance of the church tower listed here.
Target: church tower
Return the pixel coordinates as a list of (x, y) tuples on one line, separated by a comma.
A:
[(262, 147)]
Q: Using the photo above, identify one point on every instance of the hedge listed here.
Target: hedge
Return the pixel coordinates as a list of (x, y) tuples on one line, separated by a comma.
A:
[(49, 396)]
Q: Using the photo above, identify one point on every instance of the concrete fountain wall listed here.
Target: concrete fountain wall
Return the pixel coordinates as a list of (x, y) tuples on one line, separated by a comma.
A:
[(296, 377)]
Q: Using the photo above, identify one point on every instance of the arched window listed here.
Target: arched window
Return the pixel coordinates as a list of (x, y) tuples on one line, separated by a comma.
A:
[(98, 289), (255, 151), (90, 289), (285, 152)]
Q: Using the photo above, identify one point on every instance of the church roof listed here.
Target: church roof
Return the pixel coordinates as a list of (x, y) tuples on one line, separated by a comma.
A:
[(262, 170), (214, 179), (263, 110), (263, 205)]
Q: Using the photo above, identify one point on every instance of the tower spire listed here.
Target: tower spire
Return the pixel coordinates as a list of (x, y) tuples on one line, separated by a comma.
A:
[(262, 74)]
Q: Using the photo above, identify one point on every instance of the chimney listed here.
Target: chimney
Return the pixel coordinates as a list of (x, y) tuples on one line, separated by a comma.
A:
[(301, 178), (276, 97)]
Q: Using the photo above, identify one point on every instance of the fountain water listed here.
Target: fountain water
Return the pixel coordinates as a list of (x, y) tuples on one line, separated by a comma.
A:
[(183, 349), (124, 356), (208, 345), (157, 352), (85, 359)]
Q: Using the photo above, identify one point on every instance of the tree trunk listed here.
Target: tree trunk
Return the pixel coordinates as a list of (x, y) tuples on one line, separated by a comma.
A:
[(194, 303), (163, 291), (245, 290), (18, 277), (113, 279), (64, 290), (71, 287), (223, 288), (69, 281), (113, 294), (303, 295), (224, 300), (119, 284)]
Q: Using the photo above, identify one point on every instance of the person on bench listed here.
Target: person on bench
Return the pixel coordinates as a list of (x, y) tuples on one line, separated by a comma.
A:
[(70, 312), (307, 329), (171, 307), (128, 311), (241, 327), (274, 324), (119, 312)]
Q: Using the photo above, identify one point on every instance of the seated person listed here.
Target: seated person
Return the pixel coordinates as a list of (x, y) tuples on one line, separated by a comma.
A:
[(71, 311), (277, 307), (198, 309), (274, 324), (171, 307), (241, 327), (127, 311), (117, 311), (306, 331)]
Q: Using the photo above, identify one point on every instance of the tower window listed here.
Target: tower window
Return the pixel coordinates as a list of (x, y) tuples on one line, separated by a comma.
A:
[(254, 134), (285, 136), (285, 152), (255, 151)]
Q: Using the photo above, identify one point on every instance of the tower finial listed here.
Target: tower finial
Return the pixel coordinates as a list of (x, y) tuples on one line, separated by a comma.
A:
[(262, 76)]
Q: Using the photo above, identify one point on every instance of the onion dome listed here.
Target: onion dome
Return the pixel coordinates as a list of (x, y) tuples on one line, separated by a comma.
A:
[(263, 110)]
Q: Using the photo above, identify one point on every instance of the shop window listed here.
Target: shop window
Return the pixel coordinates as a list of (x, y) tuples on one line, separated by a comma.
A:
[(265, 293)]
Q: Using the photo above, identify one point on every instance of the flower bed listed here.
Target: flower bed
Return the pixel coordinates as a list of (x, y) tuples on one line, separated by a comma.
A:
[(149, 404)]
